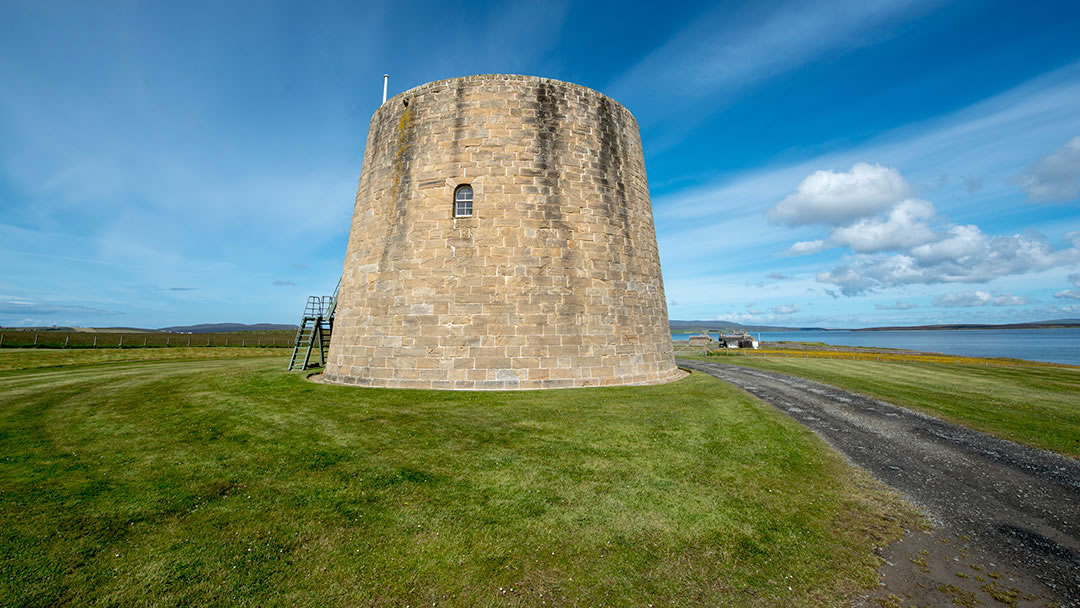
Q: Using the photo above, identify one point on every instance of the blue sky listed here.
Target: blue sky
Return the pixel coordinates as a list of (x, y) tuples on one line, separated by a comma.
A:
[(843, 164)]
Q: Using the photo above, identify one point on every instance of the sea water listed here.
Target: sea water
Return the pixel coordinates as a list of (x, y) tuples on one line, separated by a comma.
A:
[(1053, 345)]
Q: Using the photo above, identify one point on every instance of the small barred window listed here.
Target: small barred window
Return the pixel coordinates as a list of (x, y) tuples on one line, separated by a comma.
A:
[(463, 198)]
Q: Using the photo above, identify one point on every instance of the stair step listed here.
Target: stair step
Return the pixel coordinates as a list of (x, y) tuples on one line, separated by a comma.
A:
[(316, 325)]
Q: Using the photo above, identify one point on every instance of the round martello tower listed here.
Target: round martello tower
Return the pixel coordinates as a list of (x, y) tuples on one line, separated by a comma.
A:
[(502, 238)]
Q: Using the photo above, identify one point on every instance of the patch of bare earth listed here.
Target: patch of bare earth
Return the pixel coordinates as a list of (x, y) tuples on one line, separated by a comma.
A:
[(937, 568)]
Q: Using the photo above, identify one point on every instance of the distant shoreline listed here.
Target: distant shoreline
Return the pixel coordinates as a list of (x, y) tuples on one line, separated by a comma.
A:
[(971, 326), (686, 328)]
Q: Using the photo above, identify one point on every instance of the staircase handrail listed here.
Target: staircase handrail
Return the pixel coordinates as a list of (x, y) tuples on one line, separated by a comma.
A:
[(320, 311), (333, 301)]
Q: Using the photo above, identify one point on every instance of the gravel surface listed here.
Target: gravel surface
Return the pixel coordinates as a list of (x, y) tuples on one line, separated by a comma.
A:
[(1014, 506)]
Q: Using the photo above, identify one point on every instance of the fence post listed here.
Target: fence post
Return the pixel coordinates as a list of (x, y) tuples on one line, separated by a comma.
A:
[(95, 341), (259, 344), (144, 341), (208, 340), (243, 342), (167, 340), (121, 341), (35, 339), (226, 341), (189, 340), (1, 340), (66, 340)]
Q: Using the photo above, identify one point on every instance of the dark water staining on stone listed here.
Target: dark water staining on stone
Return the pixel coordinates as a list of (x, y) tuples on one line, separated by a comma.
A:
[(610, 162), (547, 131), (459, 119), (549, 111), (403, 158)]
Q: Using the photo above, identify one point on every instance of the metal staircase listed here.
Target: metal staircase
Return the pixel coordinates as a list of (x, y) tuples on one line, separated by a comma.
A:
[(316, 326)]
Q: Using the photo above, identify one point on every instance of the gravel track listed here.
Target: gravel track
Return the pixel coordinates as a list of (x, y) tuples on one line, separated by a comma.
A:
[(1019, 505)]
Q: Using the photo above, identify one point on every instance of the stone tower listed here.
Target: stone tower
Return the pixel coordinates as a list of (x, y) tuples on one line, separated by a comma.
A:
[(502, 239)]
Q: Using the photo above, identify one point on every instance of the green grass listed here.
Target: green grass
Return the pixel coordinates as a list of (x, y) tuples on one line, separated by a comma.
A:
[(230, 482), (1036, 406), (30, 358)]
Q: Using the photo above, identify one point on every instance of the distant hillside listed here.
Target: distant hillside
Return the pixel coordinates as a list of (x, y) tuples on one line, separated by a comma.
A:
[(112, 330), (210, 328), (1052, 324), (683, 326), (98, 330)]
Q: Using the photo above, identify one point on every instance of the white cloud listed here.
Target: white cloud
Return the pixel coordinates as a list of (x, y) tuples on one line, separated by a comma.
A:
[(776, 276), (960, 242), (1071, 294), (829, 197), (978, 298), (897, 306), (758, 317), (1075, 279), (806, 247), (905, 226), (1056, 177), (786, 309), (866, 273), (739, 317)]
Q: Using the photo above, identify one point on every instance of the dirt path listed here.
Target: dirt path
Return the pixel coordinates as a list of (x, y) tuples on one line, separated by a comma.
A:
[(1007, 517)]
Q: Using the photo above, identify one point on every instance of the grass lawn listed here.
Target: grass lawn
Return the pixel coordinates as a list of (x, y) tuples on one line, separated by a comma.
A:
[(231, 482), (31, 358), (1035, 405)]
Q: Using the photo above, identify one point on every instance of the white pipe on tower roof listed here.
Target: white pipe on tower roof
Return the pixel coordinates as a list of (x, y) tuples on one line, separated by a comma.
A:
[(385, 79)]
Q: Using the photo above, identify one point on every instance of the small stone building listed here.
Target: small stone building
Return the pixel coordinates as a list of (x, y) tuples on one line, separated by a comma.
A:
[(703, 339), (502, 238)]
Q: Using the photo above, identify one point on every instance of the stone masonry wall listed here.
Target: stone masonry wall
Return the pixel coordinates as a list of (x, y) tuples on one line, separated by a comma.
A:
[(555, 279)]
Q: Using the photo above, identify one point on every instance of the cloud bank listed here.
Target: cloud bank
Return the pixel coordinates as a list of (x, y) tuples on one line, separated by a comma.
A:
[(895, 240), (898, 306), (978, 298)]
